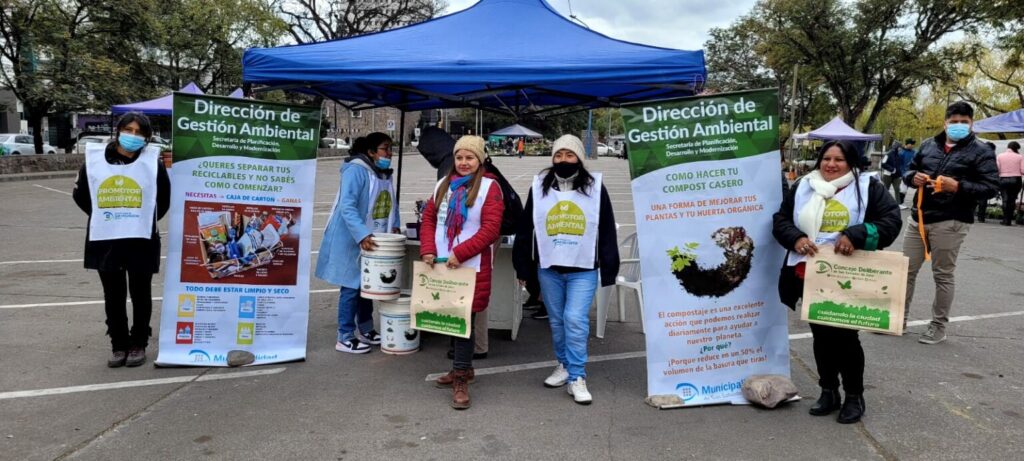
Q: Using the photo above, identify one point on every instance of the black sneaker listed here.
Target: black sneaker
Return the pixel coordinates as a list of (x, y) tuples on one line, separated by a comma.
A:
[(352, 346), (541, 314), (532, 304), (136, 357), (117, 359), (372, 338)]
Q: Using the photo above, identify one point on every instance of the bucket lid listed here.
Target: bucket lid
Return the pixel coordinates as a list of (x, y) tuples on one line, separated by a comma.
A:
[(389, 238), (400, 305)]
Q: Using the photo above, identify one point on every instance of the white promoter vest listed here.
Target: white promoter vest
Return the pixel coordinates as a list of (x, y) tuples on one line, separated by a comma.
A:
[(123, 196)]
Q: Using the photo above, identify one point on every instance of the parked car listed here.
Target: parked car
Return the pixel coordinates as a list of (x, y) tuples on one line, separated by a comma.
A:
[(21, 144), (603, 149), (80, 145), (163, 143), (333, 143)]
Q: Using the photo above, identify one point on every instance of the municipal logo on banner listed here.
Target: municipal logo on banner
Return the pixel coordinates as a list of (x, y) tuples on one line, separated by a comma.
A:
[(566, 218), (382, 207), (119, 192)]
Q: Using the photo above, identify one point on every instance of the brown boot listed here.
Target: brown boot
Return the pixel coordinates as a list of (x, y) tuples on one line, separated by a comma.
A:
[(445, 381), (460, 390)]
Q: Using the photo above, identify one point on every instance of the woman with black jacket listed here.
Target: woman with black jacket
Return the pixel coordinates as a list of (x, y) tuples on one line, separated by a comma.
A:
[(567, 240), (125, 190), (835, 205)]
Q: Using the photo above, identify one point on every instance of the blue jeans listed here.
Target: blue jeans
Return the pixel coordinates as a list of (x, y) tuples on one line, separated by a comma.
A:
[(568, 297), (353, 308)]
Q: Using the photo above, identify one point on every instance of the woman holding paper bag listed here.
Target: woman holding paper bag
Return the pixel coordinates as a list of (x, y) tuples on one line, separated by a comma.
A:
[(569, 241), (464, 218), (364, 205), (835, 204)]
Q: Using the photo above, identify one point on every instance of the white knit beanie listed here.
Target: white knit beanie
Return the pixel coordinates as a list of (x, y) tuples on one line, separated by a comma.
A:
[(571, 143)]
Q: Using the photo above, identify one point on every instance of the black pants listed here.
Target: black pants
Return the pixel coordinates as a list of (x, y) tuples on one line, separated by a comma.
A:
[(116, 287), (464, 349), (837, 352), (533, 288), (1010, 187)]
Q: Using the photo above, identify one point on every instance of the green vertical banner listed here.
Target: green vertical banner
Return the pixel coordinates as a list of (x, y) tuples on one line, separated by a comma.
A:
[(240, 234), (706, 180)]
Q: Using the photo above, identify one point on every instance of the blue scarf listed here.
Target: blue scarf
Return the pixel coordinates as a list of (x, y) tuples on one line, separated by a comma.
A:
[(458, 210)]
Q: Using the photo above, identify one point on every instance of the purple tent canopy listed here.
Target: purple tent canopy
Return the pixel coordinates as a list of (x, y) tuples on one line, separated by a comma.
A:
[(158, 106), (237, 94), (836, 130), (1010, 122)]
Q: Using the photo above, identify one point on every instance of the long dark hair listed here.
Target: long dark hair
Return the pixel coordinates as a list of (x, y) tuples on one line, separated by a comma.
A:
[(583, 182), (853, 158), (1014, 146)]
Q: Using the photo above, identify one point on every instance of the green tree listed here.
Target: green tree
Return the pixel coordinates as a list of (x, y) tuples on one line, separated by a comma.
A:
[(203, 40), (869, 52), (312, 21), (62, 55)]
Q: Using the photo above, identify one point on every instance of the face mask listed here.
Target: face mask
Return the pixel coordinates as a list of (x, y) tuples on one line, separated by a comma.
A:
[(131, 142), (383, 163), (957, 131), (565, 169)]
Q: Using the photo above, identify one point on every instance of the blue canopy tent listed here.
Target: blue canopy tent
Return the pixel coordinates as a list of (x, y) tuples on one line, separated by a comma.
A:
[(158, 106), (1010, 122), (511, 56)]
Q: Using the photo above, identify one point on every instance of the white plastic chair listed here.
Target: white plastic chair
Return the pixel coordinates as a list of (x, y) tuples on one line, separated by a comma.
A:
[(628, 278)]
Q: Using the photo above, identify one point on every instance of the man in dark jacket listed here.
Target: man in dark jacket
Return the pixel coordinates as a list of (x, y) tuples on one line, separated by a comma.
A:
[(951, 172), (897, 160)]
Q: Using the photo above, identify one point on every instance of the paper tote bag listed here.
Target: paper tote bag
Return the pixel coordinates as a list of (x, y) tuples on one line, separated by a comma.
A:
[(442, 299), (863, 291)]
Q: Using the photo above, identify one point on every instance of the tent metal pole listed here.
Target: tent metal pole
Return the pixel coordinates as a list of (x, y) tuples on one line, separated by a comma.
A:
[(401, 149)]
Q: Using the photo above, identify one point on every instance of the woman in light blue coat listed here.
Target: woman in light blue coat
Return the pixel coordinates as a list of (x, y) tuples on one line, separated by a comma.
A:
[(365, 204)]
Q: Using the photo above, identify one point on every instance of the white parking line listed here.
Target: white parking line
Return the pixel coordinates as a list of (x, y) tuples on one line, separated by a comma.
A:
[(639, 354), (137, 383), (52, 189)]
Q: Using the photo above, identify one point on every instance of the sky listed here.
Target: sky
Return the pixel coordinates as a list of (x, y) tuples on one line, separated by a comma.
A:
[(680, 24)]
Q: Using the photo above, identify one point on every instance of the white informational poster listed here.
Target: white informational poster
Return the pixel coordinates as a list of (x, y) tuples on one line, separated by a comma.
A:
[(706, 179), (238, 258)]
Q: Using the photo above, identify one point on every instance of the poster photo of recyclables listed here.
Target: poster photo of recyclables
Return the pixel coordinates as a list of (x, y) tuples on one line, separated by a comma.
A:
[(234, 242)]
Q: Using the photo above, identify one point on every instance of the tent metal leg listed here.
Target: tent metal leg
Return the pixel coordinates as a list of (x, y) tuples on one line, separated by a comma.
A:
[(401, 148)]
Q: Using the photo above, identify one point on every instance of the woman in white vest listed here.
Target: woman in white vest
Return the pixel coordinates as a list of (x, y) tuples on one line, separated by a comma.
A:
[(365, 204), (835, 204), (567, 238), (124, 189), (461, 223)]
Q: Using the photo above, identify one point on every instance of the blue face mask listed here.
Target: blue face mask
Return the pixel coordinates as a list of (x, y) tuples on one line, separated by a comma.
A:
[(383, 163), (957, 131), (131, 142)]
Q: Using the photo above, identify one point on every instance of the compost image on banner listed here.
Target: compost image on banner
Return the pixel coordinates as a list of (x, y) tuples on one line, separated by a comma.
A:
[(238, 256), (706, 182)]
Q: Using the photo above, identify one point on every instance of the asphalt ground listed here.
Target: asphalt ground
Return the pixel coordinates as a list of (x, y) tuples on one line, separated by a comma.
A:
[(957, 400)]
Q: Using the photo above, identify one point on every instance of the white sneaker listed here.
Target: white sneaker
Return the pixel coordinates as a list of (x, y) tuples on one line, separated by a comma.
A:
[(578, 390), (558, 377), (353, 346)]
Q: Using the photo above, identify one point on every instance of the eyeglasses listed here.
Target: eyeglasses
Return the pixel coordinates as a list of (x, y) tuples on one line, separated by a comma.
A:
[(385, 149)]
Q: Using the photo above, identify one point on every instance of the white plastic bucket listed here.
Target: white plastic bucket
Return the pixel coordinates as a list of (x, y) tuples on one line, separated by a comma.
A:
[(397, 336), (380, 270)]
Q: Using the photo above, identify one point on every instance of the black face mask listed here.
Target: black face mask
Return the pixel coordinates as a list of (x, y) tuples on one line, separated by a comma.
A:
[(565, 169)]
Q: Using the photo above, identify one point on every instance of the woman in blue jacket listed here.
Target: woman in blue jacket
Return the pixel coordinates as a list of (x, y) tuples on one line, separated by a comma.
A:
[(365, 204)]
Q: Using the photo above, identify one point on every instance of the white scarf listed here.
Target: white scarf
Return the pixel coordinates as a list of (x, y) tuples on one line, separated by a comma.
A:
[(809, 217)]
